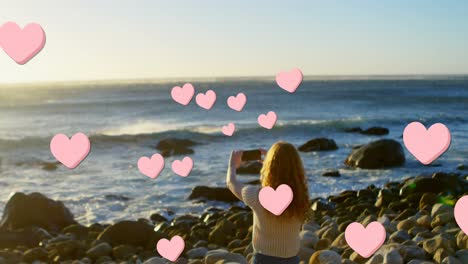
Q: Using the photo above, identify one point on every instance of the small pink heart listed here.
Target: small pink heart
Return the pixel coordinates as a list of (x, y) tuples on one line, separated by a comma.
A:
[(289, 81), (276, 201), (171, 250), (182, 168), (365, 241), (426, 145), (70, 152), (206, 100), (461, 213), (22, 44), (229, 129), (151, 167), (267, 121), (183, 95), (237, 102)]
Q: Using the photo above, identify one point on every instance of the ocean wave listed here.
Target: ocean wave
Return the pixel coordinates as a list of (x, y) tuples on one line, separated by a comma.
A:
[(142, 132)]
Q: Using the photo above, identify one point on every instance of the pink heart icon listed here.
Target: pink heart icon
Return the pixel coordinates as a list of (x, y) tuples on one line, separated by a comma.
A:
[(426, 145), (183, 167), (183, 95), (151, 167), (229, 129), (461, 213), (365, 241), (171, 250), (267, 121), (289, 81), (70, 152), (206, 100), (237, 102), (22, 44), (276, 201)]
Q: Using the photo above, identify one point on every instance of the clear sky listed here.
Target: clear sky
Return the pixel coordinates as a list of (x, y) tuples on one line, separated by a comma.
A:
[(116, 39)]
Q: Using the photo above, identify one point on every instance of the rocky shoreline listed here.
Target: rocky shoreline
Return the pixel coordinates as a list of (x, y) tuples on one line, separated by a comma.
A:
[(417, 215)]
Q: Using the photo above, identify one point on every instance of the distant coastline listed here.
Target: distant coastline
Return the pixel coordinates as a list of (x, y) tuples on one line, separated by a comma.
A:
[(177, 80)]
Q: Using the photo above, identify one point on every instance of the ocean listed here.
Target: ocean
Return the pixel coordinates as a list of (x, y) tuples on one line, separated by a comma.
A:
[(125, 120)]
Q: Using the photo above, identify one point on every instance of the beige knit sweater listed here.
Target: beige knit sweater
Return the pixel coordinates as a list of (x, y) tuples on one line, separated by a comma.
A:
[(272, 235)]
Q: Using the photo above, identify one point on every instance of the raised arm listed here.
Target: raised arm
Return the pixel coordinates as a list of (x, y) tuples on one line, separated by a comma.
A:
[(231, 180)]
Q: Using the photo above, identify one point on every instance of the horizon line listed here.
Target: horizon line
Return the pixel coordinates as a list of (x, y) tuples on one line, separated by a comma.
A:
[(322, 77)]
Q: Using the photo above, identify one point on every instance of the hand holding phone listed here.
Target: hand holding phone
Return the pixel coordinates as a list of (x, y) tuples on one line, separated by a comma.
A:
[(250, 155)]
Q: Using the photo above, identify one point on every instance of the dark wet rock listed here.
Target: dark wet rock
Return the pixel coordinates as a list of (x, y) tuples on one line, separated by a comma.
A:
[(177, 151), (250, 167), (322, 205), (428, 200), (66, 249), (331, 173), (131, 233), (35, 254), (10, 256), (102, 249), (377, 154), (117, 197), (438, 182), (157, 218), (353, 130), (50, 166), (175, 146), (222, 232), (29, 210), (123, 252), (462, 167), (318, 144), (28, 237), (212, 194), (376, 131), (77, 230)]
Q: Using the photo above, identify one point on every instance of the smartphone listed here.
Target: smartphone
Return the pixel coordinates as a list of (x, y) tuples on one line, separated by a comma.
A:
[(249, 155)]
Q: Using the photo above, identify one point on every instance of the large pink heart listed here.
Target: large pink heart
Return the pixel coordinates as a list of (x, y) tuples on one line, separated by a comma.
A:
[(267, 121), (171, 250), (70, 152), (289, 81), (151, 167), (206, 100), (229, 129), (461, 213), (426, 145), (183, 95), (276, 201), (237, 102), (365, 241), (182, 167), (22, 44)]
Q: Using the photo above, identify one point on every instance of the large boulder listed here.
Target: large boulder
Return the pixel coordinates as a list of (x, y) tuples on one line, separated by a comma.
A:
[(29, 237), (175, 146), (213, 194), (35, 210), (135, 233), (438, 182), (377, 154), (318, 144), (250, 167)]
